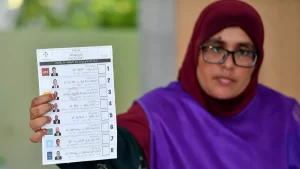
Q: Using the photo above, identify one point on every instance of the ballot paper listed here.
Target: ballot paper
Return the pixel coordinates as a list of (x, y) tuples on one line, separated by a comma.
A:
[(83, 125)]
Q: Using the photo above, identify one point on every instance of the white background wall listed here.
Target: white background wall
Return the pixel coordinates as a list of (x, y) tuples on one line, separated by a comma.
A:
[(157, 43)]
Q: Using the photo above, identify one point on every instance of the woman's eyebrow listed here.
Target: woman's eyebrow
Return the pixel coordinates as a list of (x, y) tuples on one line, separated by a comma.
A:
[(217, 41), (247, 45)]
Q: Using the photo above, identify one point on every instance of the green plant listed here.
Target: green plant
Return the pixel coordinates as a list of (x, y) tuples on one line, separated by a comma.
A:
[(79, 14)]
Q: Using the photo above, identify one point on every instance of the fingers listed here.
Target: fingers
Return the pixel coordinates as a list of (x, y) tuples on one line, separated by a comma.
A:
[(40, 110), (40, 106), (36, 124), (42, 99), (37, 136)]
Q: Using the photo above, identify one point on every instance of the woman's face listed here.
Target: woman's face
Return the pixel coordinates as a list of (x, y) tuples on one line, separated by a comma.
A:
[(225, 81)]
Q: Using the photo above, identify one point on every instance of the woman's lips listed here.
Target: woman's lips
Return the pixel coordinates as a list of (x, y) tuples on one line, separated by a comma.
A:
[(225, 80)]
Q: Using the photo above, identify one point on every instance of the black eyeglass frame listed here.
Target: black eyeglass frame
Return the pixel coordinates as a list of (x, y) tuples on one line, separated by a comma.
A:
[(227, 52)]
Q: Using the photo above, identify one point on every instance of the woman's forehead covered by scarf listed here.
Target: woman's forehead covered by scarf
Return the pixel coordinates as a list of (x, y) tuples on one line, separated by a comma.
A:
[(214, 18), (228, 13)]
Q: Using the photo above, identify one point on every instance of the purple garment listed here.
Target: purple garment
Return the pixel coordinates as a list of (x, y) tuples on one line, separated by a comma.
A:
[(265, 135)]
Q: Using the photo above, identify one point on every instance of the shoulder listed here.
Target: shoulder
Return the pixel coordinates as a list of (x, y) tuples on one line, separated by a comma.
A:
[(279, 102), (160, 102), (173, 91), (272, 96)]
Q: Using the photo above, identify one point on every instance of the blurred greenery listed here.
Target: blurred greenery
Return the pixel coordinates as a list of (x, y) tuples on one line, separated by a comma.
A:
[(78, 14)]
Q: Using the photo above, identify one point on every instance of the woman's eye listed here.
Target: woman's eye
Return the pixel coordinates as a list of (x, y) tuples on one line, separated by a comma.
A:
[(216, 49), (244, 52)]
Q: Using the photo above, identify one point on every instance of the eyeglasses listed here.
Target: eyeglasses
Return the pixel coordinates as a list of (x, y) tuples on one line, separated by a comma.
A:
[(218, 55)]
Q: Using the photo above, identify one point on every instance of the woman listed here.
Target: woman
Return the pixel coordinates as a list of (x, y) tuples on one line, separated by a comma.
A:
[(216, 115)]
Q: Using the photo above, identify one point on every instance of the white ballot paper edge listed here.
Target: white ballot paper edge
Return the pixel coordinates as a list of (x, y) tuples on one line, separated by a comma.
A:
[(83, 120)]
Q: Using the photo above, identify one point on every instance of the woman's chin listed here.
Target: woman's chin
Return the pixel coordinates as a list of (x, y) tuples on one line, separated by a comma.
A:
[(223, 95)]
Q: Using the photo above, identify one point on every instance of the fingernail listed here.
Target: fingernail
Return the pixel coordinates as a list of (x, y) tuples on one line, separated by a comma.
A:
[(45, 130), (50, 119), (52, 106), (53, 96)]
